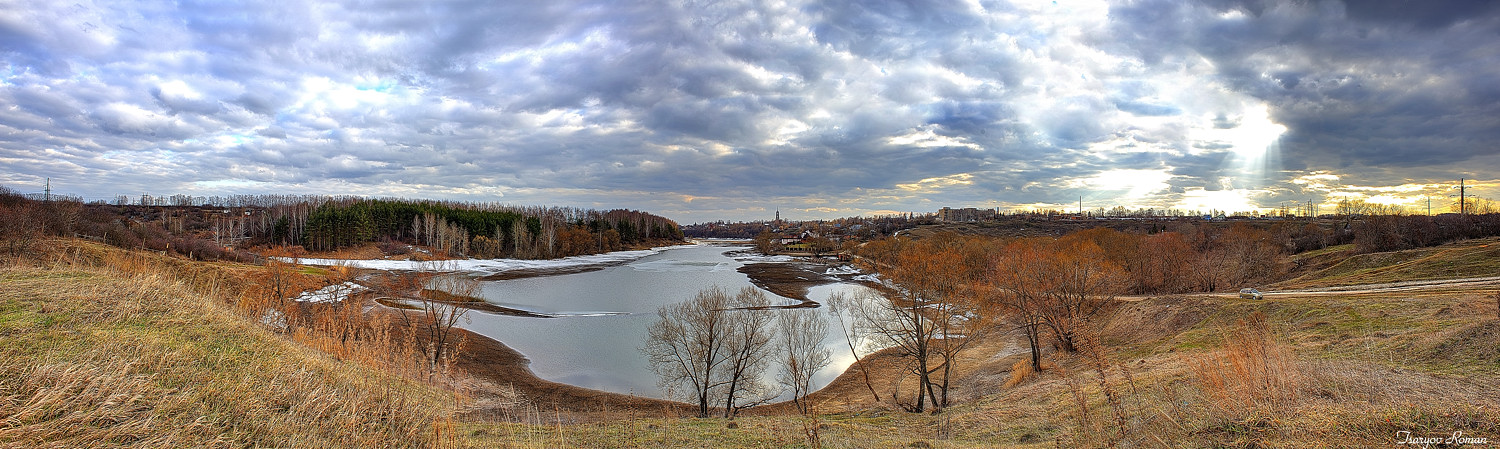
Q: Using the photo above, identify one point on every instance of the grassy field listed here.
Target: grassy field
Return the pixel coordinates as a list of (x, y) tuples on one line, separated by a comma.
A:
[(108, 348), (1338, 265)]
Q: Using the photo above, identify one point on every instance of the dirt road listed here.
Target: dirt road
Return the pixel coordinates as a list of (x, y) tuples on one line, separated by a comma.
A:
[(1406, 286)]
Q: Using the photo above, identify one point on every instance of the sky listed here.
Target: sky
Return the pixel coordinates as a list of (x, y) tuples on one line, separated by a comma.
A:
[(732, 110)]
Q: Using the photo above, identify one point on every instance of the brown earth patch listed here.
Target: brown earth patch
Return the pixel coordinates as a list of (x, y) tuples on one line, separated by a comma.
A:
[(1155, 318), (500, 368), (789, 279), (530, 273)]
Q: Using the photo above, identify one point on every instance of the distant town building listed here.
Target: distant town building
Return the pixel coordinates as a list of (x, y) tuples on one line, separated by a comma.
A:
[(948, 214)]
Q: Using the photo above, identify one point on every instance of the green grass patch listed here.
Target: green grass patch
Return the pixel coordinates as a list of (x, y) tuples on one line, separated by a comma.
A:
[(311, 271), (439, 295), (1325, 251), (1474, 258)]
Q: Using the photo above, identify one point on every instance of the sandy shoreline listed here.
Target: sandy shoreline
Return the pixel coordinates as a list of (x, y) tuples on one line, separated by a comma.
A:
[(497, 366)]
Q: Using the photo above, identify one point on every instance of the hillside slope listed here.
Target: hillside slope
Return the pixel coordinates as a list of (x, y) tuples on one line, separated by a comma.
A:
[(109, 348), (1340, 266)]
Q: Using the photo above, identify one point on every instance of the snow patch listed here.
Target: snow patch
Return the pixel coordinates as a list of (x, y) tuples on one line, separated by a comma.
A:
[(680, 266), (332, 293), (484, 266), (274, 319), (843, 270), (749, 258), (586, 314)]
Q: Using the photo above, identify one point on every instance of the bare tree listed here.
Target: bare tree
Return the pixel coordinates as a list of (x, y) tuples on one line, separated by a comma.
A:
[(440, 318), (434, 318), (686, 346), (1019, 278), (749, 351), (1084, 283), (1208, 269), (838, 305), (902, 324), (767, 243), (279, 276), (20, 227), (713, 349), (924, 319), (820, 245), (930, 312), (800, 344)]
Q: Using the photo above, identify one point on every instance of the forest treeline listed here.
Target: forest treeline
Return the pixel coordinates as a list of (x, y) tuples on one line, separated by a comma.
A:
[(465, 229), (857, 227), (1396, 232), (321, 223)]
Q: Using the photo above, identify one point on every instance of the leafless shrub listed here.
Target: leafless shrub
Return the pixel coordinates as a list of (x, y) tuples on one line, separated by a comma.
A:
[(439, 319)]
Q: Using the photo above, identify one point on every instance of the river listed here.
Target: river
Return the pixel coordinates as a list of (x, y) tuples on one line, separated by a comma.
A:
[(602, 317)]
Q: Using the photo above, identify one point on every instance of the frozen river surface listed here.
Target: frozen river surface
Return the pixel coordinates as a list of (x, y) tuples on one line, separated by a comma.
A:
[(602, 316)]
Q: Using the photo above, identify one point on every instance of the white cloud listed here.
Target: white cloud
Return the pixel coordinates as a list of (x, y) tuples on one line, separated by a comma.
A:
[(1227, 201), (869, 106)]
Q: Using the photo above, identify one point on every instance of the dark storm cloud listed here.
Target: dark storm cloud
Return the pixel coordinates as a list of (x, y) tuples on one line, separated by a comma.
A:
[(1427, 15), (1358, 84)]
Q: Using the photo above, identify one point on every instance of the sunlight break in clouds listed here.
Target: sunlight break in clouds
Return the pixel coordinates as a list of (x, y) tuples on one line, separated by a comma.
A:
[(1254, 139), (1224, 201), (1132, 186)]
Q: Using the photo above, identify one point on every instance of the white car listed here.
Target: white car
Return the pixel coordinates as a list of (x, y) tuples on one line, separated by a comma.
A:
[(1249, 293)]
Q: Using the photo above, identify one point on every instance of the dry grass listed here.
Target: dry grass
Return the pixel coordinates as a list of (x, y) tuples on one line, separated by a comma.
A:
[(1252, 373), (109, 348), (1020, 372), (967, 428)]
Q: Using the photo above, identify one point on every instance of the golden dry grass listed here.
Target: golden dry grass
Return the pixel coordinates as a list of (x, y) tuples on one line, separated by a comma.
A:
[(1252, 372), (108, 348)]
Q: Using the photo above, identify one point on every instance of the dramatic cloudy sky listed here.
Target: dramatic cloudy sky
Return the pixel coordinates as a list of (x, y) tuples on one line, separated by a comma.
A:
[(704, 110)]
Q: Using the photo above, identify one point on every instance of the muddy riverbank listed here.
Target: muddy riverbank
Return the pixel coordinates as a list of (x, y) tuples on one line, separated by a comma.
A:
[(503, 373)]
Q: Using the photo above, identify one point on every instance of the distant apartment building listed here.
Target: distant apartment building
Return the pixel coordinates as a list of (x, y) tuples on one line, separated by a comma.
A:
[(949, 214)]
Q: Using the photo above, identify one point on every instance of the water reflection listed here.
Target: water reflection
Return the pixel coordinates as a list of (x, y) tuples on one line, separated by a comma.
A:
[(602, 317)]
